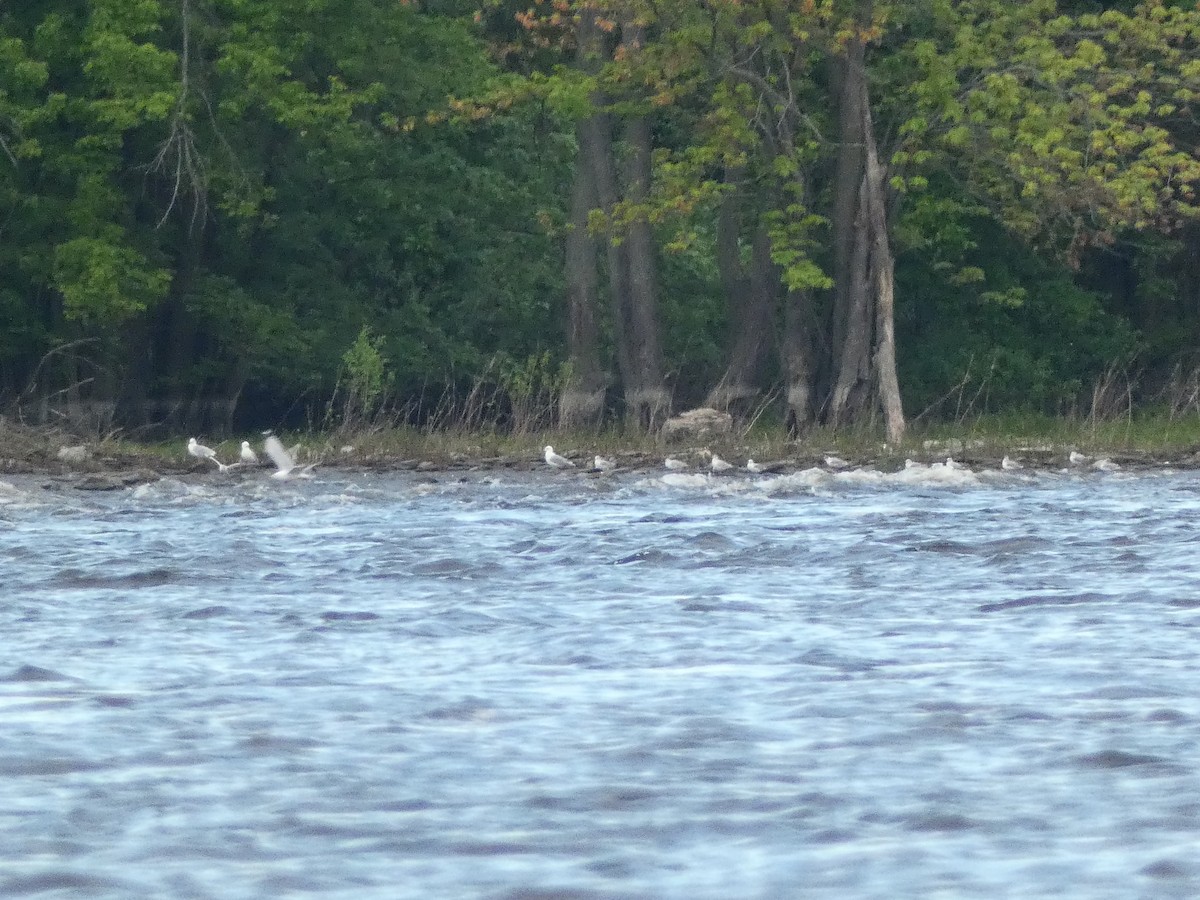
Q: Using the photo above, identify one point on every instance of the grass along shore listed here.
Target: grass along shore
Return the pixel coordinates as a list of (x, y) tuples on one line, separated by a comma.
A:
[(1038, 442)]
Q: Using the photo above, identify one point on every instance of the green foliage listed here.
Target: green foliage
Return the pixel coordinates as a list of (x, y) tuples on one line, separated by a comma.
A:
[(1025, 337), (222, 205), (105, 282), (365, 378), (1076, 135), (532, 386)]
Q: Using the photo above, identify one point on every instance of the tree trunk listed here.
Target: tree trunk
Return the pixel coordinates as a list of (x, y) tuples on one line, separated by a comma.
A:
[(848, 74), (750, 301), (798, 362), (632, 268), (596, 150), (883, 282), (581, 403), (854, 359), (866, 286), (751, 314), (647, 400)]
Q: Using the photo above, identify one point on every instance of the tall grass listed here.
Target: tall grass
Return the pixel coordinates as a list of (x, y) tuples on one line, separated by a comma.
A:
[(510, 411)]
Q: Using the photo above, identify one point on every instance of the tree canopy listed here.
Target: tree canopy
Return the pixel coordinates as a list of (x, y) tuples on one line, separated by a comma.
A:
[(216, 213)]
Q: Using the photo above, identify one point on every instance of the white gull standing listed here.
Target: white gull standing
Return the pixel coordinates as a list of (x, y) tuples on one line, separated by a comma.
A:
[(719, 465), (1010, 464), (674, 464), (199, 451), (554, 460), (248, 455), (600, 464)]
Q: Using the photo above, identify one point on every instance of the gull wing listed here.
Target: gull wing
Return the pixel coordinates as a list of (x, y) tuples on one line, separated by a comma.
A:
[(279, 456)]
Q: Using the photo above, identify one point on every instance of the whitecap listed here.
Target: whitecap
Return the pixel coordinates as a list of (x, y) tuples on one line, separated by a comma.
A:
[(694, 480)]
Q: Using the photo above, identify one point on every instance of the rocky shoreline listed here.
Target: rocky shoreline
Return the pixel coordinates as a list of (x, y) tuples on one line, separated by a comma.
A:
[(108, 465)]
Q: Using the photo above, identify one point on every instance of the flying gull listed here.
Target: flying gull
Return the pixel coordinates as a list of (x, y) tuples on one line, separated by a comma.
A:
[(284, 464)]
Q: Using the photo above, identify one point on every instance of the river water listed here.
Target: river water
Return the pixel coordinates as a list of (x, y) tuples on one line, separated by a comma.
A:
[(537, 685)]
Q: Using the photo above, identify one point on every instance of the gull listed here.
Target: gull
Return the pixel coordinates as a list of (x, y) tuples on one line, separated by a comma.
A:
[(909, 464), (201, 452), (951, 464), (719, 465), (674, 464), (836, 462), (1010, 464), (600, 464), (752, 466), (1106, 465), (207, 453), (556, 461), (1078, 459), (248, 455), (285, 465)]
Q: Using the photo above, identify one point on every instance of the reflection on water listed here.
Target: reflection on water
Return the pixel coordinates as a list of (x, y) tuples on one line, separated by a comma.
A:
[(556, 685)]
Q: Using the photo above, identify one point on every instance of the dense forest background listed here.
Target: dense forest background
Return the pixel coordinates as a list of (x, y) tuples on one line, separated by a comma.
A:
[(223, 213)]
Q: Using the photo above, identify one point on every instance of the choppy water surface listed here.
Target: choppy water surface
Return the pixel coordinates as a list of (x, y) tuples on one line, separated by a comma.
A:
[(544, 685)]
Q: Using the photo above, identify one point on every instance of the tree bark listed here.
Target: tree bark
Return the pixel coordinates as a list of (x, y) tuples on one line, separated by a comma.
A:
[(848, 74), (854, 357), (647, 400), (631, 252), (750, 301), (596, 151), (800, 414), (750, 321), (866, 287), (581, 403), (883, 279)]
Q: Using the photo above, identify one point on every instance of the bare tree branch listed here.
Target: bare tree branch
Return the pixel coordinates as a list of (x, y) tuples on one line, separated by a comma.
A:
[(178, 156)]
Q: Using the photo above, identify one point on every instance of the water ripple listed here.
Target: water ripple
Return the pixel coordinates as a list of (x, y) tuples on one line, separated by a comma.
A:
[(527, 685)]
